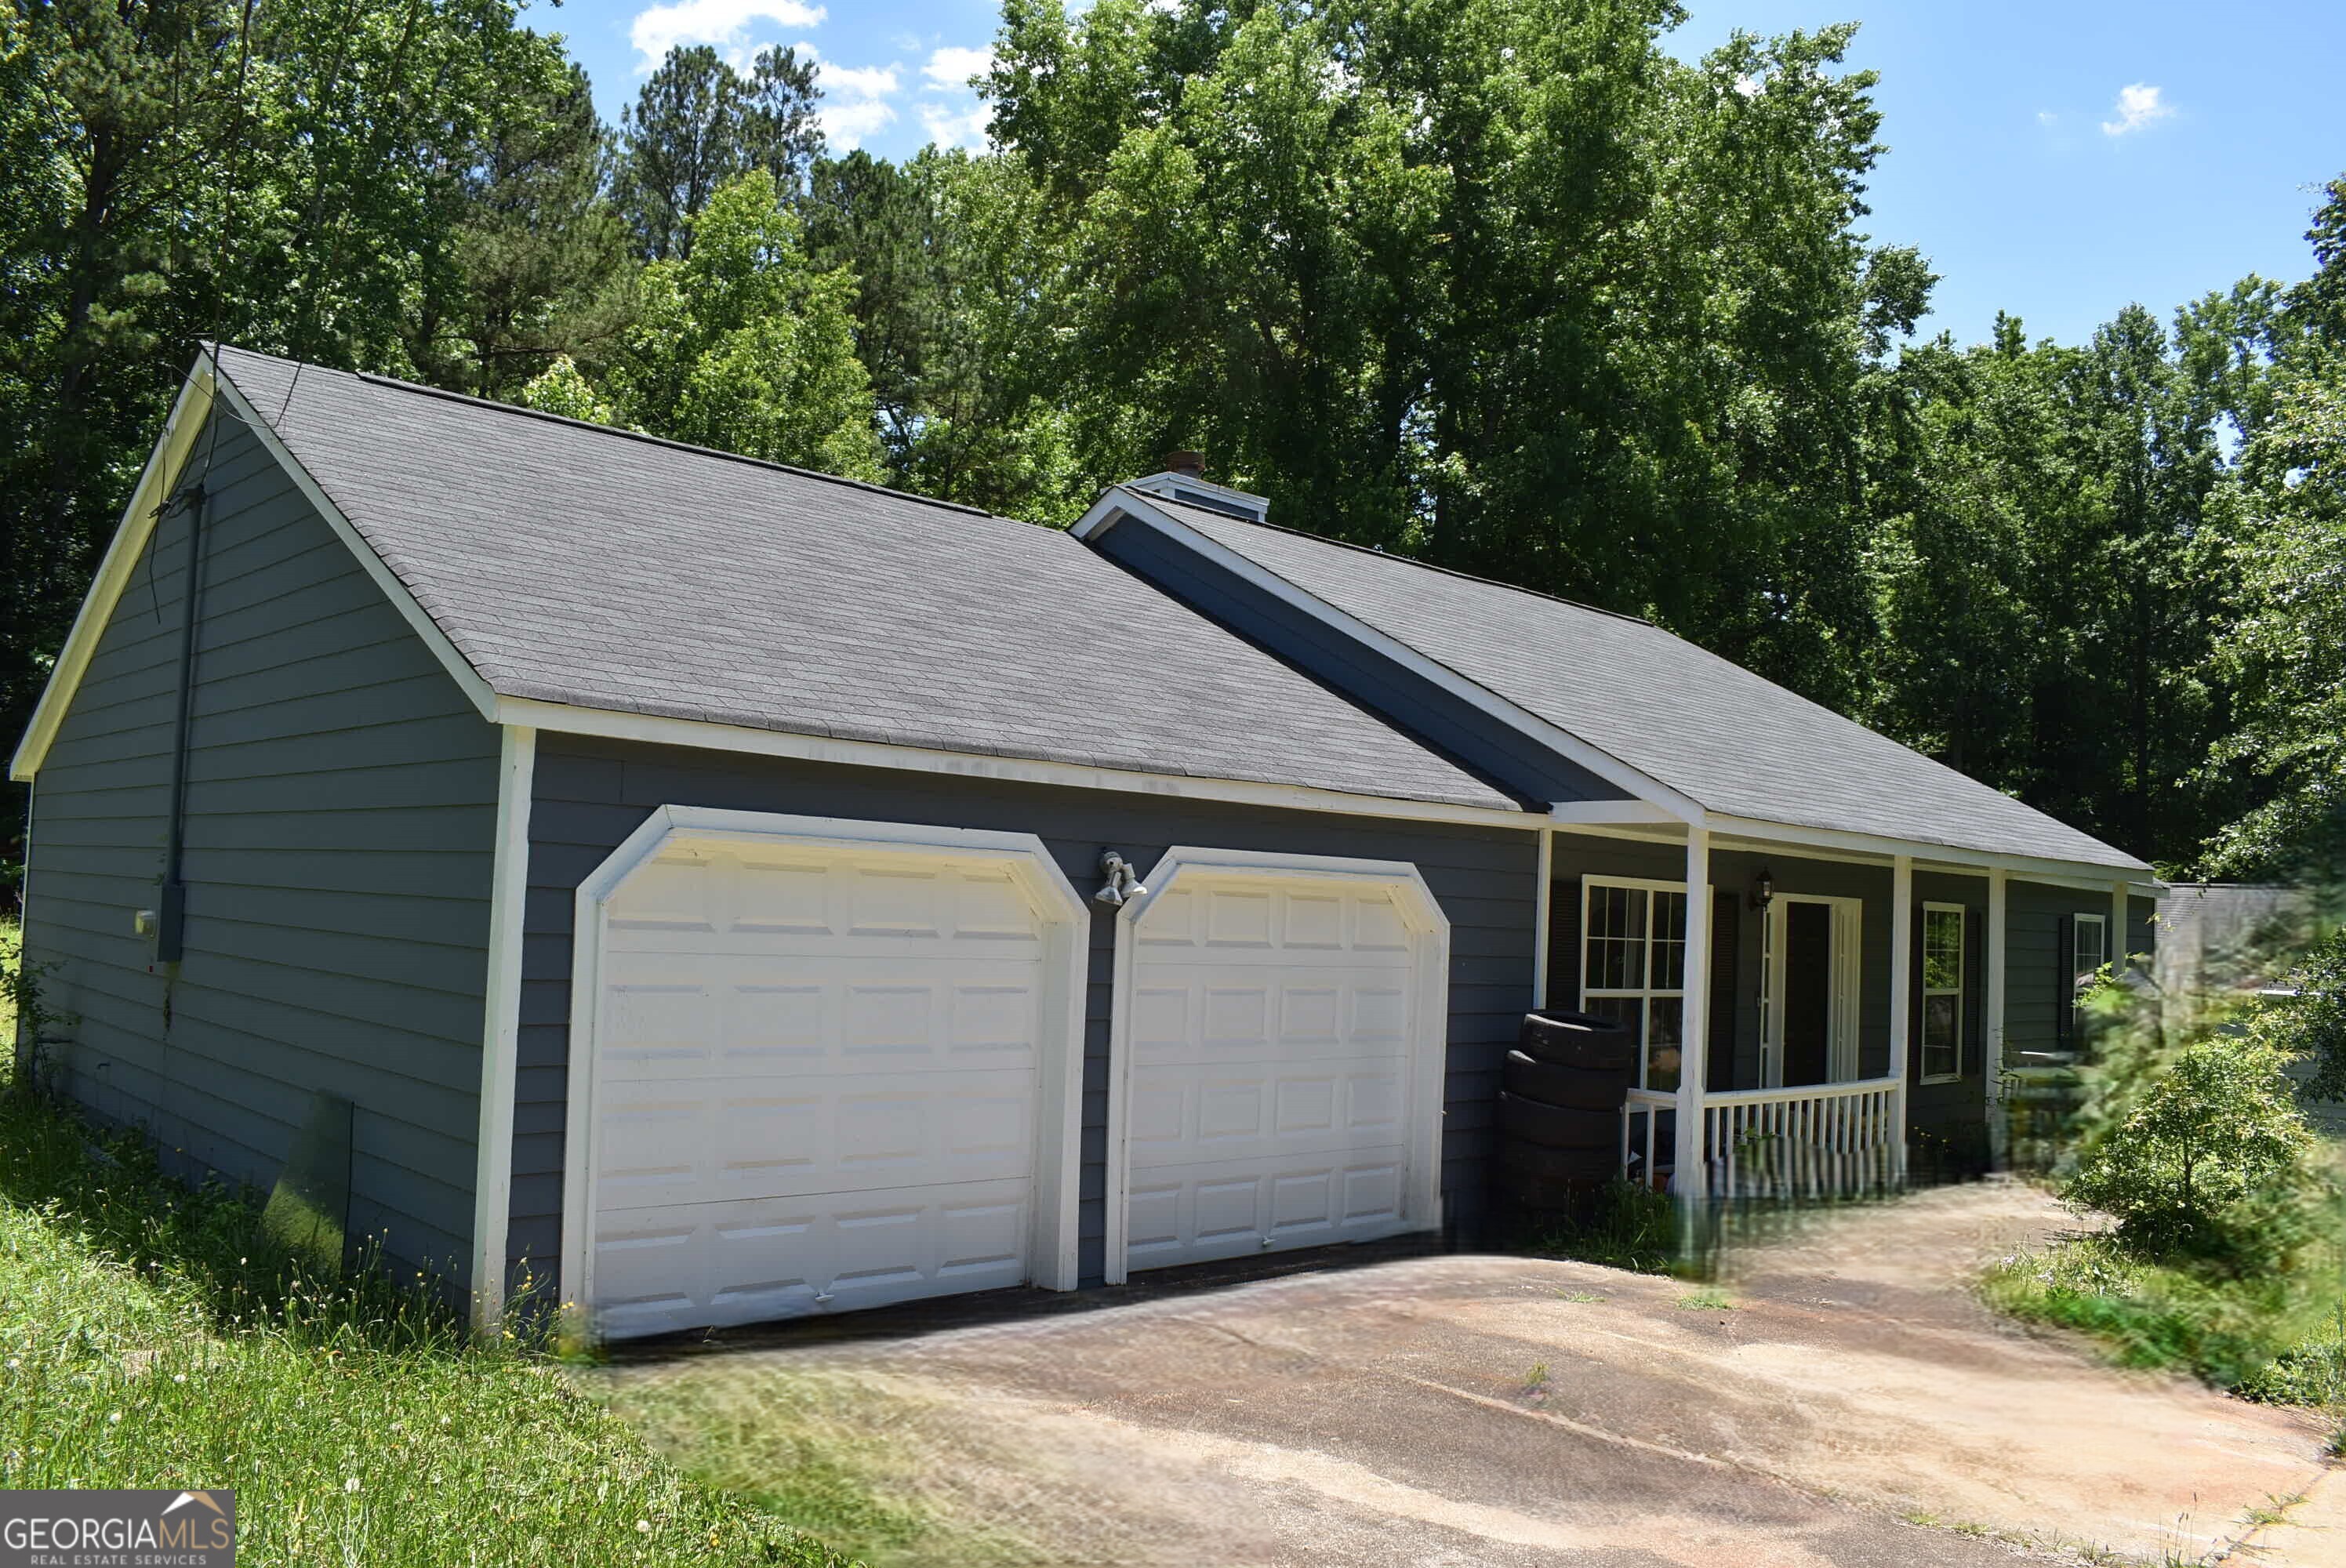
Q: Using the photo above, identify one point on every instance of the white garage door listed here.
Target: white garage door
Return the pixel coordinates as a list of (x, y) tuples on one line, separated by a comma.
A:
[(815, 1082), (1276, 1068)]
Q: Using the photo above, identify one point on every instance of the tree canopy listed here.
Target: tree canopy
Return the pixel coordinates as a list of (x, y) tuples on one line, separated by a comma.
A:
[(1501, 284)]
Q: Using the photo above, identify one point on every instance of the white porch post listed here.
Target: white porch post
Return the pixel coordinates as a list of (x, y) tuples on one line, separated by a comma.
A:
[(2118, 954), (1541, 915), (1901, 994), (1992, 1035), (1690, 1178)]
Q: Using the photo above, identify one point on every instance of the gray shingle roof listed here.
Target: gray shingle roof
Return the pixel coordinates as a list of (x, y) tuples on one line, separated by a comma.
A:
[(587, 566), (1735, 743)]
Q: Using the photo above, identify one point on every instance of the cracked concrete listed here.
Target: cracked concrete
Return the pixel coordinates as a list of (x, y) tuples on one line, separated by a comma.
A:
[(1854, 1405)]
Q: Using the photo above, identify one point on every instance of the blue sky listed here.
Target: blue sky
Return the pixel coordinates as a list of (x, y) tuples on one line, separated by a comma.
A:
[(2059, 160)]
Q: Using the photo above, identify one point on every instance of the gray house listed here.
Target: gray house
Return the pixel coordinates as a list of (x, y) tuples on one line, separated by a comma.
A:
[(724, 893)]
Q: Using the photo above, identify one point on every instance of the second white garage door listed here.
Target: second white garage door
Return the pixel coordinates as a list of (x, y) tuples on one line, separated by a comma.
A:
[(1283, 1037), (819, 1078)]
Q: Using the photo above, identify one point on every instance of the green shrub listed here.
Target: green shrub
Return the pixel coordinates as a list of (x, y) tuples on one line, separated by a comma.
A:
[(2206, 1157), (2312, 1024)]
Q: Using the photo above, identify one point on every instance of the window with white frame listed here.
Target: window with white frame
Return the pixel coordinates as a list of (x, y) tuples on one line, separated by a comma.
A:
[(1942, 992), (2090, 951), (1633, 967)]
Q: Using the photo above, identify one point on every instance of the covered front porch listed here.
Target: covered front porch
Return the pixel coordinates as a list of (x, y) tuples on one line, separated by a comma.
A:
[(1838, 1011)]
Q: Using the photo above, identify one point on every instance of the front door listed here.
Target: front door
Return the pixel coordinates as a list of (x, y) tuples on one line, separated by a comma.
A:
[(1809, 1010), (1808, 993)]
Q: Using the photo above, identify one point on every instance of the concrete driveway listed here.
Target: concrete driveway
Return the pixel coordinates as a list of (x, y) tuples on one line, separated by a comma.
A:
[(1851, 1405)]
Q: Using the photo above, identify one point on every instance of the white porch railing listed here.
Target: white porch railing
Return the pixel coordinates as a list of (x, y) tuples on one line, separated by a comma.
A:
[(1647, 1104), (1818, 1140)]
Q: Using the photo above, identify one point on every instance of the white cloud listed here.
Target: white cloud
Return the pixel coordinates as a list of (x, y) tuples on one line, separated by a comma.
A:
[(847, 123), (950, 127), (865, 82), (726, 23), (854, 100), (952, 66), (2137, 106), (2047, 117)]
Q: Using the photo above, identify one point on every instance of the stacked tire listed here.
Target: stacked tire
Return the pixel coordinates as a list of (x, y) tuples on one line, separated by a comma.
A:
[(1560, 1099)]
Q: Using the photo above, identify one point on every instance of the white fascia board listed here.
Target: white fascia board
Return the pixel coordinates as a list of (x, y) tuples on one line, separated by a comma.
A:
[(460, 669), (1592, 813), (705, 735), (170, 454), (1933, 856), (1674, 805)]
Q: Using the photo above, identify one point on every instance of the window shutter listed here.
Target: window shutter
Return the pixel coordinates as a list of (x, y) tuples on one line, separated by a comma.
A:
[(1563, 945), (1726, 933), (2065, 979)]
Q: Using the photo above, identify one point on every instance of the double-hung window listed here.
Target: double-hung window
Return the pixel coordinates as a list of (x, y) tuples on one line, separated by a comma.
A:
[(1942, 992), (2090, 950), (1633, 968)]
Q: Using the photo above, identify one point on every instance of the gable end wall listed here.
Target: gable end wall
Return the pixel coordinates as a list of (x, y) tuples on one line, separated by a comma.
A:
[(341, 817)]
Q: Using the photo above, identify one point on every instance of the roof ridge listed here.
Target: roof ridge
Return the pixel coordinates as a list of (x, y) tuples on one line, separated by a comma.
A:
[(1415, 561), (526, 412)]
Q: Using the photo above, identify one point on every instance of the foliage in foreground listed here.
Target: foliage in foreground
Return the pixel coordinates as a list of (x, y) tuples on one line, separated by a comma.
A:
[(2208, 1160), (2272, 1337), (156, 1337), (2226, 1257)]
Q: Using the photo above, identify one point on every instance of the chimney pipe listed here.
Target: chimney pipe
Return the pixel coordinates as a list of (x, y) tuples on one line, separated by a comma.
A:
[(1192, 463)]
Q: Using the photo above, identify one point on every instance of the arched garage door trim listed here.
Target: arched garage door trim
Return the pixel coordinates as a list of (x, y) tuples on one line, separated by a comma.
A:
[(1063, 918), (1429, 1025)]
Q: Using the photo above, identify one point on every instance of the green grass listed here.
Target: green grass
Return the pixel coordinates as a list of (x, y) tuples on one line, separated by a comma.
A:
[(2275, 1337), (152, 1336), (1626, 1227)]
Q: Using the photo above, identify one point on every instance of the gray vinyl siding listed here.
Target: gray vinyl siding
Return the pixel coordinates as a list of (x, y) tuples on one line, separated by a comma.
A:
[(1497, 750), (2038, 976), (590, 795), (340, 812)]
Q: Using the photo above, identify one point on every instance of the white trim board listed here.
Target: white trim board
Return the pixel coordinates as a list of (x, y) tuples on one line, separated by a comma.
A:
[(501, 1025), (1058, 1116), (1747, 836), (704, 734), (1421, 1192)]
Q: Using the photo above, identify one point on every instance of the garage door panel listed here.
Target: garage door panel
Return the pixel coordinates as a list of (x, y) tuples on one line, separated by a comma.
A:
[(721, 1016), (719, 1139), (1271, 1035), (685, 1265)]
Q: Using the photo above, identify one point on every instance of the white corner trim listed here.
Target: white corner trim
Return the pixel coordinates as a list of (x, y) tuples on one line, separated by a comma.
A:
[(1422, 1193), (189, 412), (501, 1024), (659, 730), (1602, 763), (460, 669), (1066, 915)]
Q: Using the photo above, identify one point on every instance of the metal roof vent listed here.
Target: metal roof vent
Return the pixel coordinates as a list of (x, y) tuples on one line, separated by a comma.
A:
[(1183, 479)]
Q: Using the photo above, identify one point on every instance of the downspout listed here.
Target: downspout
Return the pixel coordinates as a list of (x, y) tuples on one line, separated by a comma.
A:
[(171, 917)]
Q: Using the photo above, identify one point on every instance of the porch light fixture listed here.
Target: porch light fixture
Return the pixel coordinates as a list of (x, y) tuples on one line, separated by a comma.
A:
[(1122, 882), (1763, 889)]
